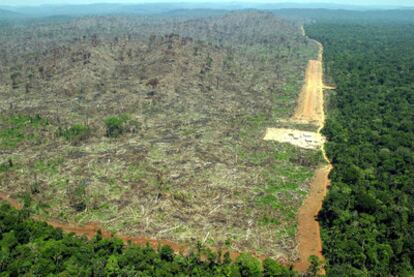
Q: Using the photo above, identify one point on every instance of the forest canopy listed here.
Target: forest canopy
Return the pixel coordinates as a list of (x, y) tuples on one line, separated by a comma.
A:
[(368, 217)]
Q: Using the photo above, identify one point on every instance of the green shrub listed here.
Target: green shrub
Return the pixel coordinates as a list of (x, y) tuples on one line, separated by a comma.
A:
[(248, 266), (115, 125), (273, 269), (166, 253)]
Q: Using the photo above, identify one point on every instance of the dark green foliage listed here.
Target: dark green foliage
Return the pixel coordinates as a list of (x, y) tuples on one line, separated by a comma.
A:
[(272, 269), (248, 266), (75, 133), (368, 216), (115, 125), (6, 166), (315, 266), (166, 253), (33, 248)]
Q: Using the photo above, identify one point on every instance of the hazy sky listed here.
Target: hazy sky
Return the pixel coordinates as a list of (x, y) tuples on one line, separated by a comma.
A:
[(356, 2)]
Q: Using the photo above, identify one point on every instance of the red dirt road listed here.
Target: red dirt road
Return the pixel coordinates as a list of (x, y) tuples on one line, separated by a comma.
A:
[(311, 109), (308, 234)]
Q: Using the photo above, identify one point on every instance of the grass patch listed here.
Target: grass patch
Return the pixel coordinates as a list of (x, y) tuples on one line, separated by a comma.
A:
[(75, 133), (50, 167), (20, 128)]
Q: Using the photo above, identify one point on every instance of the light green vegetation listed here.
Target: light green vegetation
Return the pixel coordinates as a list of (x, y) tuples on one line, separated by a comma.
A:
[(17, 129)]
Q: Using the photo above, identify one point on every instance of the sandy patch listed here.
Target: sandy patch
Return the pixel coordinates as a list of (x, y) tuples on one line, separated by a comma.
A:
[(303, 139)]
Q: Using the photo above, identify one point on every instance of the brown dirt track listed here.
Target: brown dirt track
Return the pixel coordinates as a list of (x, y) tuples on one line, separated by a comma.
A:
[(311, 109), (310, 103)]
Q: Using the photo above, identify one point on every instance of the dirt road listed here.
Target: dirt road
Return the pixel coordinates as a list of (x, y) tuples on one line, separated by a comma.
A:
[(311, 109), (310, 102)]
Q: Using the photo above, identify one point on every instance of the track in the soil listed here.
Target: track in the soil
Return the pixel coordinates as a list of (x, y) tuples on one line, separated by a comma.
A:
[(310, 109)]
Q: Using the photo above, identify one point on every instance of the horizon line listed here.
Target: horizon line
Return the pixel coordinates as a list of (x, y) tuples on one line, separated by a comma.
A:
[(210, 2)]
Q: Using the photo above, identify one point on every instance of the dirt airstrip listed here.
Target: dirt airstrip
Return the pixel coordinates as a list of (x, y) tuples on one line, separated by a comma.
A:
[(310, 109)]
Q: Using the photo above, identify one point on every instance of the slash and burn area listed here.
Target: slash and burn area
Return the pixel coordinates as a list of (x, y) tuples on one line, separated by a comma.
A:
[(159, 132)]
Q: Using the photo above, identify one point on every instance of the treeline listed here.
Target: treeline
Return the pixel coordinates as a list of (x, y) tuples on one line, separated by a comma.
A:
[(33, 248), (368, 216)]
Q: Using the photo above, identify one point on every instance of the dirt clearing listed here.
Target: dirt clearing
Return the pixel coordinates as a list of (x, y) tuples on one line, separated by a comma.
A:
[(303, 139)]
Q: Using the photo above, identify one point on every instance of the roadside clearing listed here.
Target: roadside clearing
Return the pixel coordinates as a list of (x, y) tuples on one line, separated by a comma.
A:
[(303, 139)]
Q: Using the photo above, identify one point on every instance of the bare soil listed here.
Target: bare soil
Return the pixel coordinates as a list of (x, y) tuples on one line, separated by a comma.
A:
[(303, 139), (308, 234), (310, 103), (311, 108)]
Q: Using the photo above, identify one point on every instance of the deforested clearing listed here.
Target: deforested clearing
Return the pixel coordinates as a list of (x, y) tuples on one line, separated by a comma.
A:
[(153, 126)]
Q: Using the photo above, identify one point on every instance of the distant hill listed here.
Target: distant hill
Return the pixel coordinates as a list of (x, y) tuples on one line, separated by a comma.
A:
[(323, 15), (93, 9), (6, 15), (159, 8)]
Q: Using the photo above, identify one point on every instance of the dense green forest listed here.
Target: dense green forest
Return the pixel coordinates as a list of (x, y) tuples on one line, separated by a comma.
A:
[(33, 248), (368, 217)]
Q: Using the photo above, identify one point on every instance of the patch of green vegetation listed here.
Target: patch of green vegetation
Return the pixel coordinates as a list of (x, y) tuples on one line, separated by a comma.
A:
[(19, 128), (284, 103), (6, 166), (266, 220), (134, 173), (50, 167), (75, 133), (78, 196), (115, 125), (254, 157)]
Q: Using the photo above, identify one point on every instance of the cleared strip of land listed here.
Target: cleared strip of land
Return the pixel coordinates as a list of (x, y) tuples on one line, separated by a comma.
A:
[(310, 103), (310, 109)]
